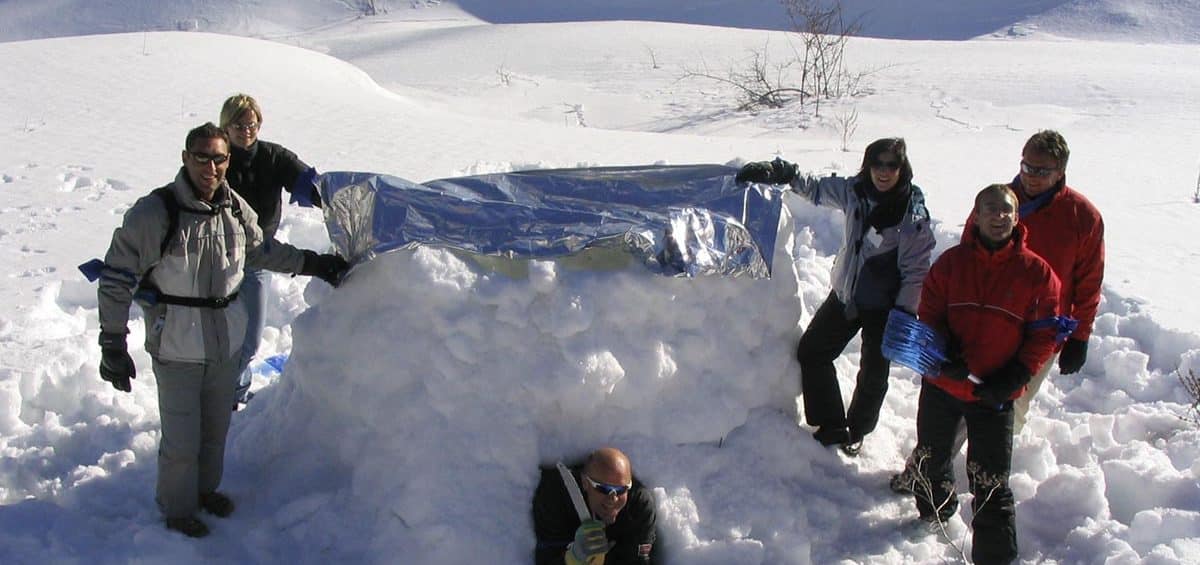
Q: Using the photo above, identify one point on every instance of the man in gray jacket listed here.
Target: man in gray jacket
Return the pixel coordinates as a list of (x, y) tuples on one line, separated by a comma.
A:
[(180, 253)]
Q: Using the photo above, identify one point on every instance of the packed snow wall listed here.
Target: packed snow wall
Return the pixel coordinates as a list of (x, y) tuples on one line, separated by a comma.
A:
[(434, 381)]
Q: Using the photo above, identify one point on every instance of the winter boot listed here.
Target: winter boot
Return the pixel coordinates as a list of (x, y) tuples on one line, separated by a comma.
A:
[(828, 435), (216, 504), (188, 526)]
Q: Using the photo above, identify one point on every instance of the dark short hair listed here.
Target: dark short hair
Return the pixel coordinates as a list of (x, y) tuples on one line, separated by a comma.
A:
[(1050, 143), (205, 131), (894, 145), (1000, 189)]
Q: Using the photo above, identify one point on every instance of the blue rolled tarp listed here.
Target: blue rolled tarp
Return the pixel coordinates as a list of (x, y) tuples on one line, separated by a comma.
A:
[(913, 344), (678, 220)]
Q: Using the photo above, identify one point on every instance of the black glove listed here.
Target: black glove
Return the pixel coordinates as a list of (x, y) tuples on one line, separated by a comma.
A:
[(1074, 353), (955, 369), (326, 266), (998, 387), (767, 172), (955, 366), (116, 366)]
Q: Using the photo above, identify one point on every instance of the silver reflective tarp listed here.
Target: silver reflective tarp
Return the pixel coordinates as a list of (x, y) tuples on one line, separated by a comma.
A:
[(678, 220)]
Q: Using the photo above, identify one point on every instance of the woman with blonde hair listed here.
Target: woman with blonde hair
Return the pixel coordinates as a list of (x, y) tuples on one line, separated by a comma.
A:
[(260, 171)]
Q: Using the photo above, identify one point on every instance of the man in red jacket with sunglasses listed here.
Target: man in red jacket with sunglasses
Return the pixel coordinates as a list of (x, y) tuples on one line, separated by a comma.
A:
[(1067, 231), (989, 297)]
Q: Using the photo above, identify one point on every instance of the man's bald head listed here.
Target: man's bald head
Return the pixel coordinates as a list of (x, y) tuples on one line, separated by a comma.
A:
[(608, 461), (611, 468)]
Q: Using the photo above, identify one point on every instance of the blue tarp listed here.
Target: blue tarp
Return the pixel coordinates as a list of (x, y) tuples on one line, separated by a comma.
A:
[(689, 220)]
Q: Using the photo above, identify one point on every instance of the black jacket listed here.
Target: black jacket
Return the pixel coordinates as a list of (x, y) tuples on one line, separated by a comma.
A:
[(555, 522), (261, 174)]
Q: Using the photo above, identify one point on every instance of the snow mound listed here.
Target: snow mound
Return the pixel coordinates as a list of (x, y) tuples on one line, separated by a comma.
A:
[(445, 365)]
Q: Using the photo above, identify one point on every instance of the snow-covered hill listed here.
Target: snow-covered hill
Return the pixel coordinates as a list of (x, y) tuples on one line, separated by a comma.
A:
[(1169, 21)]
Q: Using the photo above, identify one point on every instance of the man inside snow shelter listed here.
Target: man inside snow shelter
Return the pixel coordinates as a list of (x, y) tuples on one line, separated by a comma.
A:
[(596, 513), (180, 252)]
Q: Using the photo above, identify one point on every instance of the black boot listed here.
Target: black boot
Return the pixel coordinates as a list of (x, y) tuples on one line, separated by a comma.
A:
[(853, 444), (216, 504), (829, 435), (188, 526)]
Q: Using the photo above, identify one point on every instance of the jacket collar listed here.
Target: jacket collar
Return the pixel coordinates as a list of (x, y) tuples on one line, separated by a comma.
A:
[(1015, 244), (1030, 205), (243, 157), (185, 193)]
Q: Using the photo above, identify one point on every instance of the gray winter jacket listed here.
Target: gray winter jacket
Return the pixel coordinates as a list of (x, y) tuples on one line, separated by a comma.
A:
[(205, 259), (874, 270)]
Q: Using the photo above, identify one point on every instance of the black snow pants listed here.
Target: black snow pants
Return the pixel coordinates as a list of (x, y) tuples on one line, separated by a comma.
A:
[(823, 341), (989, 461)]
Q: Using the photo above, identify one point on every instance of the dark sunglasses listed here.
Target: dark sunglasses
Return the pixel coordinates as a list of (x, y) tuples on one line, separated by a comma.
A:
[(205, 158), (886, 165), (607, 489), (1036, 171)]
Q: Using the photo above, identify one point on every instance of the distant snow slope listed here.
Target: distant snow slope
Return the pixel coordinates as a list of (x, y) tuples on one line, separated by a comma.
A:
[(420, 396), (1174, 21)]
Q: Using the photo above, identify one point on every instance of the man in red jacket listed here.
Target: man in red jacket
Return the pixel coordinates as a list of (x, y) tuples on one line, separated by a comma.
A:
[(988, 296), (1067, 231)]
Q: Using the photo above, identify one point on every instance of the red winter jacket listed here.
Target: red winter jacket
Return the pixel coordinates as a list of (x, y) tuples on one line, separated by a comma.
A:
[(1068, 233), (985, 300)]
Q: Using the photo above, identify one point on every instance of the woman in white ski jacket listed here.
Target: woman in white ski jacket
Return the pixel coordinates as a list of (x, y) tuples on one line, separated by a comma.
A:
[(883, 260)]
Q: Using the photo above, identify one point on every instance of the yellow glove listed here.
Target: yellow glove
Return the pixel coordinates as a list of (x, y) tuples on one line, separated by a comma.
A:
[(590, 545)]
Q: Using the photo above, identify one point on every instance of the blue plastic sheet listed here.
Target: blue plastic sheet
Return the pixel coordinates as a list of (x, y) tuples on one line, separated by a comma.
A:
[(1063, 326), (909, 342), (276, 362), (678, 220)]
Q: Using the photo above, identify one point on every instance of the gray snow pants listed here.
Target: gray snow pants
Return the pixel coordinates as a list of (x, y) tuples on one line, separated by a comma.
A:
[(195, 404)]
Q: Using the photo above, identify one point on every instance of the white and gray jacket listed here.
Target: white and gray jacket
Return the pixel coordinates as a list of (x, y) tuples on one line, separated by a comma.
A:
[(873, 269), (205, 259)]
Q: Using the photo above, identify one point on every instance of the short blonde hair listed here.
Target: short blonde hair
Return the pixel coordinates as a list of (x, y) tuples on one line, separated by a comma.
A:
[(236, 105)]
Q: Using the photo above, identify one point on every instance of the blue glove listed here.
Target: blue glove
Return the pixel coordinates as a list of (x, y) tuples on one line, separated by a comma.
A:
[(116, 366), (590, 541)]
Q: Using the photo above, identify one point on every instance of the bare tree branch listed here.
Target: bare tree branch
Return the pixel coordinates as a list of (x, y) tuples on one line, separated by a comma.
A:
[(1191, 383), (816, 70)]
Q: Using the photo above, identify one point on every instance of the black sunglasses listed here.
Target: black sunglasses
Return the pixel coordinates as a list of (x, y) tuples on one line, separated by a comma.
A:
[(607, 489), (205, 158), (886, 165)]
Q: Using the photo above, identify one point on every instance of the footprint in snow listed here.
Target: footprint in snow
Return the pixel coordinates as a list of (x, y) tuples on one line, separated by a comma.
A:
[(72, 182)]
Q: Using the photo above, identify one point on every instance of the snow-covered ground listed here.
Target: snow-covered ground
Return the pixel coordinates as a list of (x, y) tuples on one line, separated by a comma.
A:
[(421, 396)]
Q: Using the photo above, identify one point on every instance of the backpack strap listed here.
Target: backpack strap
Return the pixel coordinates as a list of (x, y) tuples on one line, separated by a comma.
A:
[(172, 205), (151, 295)]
